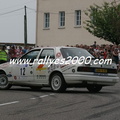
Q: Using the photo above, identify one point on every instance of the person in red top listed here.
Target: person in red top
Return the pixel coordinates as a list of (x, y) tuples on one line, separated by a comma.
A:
[(12, 53), (105, 53), (19, 52)]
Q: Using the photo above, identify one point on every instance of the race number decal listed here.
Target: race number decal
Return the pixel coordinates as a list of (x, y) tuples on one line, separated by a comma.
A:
[(22, 71)]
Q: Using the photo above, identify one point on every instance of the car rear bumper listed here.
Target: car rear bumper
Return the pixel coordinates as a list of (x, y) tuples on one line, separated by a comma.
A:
[(90, 79)]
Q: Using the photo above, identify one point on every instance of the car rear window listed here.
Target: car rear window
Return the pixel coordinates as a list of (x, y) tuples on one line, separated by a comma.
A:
[(66, 52)]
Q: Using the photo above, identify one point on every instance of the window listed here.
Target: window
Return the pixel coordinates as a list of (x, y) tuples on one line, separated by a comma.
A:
[(78, 17), (32, 55), (66, 52), (46, 20), (47, 53), (61, 19)]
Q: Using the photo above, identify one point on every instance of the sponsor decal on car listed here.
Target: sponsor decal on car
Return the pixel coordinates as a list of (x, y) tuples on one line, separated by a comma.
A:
[(41, 67), (68, 68), (58, 54), (15, 77), (9, 75), (41, 76), (52, 67), (4, 65)]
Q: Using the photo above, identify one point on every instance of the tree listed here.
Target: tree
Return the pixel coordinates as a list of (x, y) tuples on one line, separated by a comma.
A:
[(104, 21)]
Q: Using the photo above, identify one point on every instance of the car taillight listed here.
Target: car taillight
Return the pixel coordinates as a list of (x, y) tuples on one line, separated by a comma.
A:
[(85, 69)]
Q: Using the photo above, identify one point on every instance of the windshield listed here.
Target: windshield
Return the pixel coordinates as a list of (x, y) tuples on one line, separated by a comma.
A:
[(66, 52)]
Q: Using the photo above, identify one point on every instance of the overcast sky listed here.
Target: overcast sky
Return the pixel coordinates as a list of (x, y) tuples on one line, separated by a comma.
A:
[(12, 20)]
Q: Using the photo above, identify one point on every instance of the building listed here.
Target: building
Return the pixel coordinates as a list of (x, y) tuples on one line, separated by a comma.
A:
[(60, 22)]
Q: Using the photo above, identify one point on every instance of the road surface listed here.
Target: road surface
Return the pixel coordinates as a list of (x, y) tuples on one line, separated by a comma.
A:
[(20, 103)]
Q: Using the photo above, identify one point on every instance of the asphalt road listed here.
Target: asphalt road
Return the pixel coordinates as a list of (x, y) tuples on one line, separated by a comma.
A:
[(75, 104)]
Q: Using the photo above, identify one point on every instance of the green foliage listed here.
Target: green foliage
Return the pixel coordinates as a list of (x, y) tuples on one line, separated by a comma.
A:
[(104, 21)]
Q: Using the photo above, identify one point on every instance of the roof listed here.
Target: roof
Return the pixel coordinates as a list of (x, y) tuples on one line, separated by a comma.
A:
[(57, 47), (21, 44)]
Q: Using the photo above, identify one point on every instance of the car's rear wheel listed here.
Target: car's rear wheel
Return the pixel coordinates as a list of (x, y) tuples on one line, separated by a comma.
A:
[(57, 83), (4, 84), (94, 88)]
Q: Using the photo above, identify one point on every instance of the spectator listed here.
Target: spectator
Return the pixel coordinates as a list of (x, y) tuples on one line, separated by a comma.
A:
[(95, 43), (3, 55), (115, 57), (19, 52), (25, 50), (12, 53), (105, 53), (109, 55)]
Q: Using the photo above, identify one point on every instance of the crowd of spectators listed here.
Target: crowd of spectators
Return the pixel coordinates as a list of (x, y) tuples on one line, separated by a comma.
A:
[(17, 51), (12, 52), (103, 51), (98, 51)]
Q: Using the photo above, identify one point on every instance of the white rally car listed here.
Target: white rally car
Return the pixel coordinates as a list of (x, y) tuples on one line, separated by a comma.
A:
[(41, 67)]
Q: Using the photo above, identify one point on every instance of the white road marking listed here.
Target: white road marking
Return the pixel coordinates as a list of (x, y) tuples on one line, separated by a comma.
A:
[(52, 94), (32, 98), (9, 103), (43, 96)]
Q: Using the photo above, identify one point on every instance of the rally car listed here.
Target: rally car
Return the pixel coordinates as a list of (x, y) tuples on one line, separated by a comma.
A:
[(52, 66)]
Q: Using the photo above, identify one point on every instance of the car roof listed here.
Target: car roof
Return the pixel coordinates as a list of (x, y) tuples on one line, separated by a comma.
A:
[(57, 47)]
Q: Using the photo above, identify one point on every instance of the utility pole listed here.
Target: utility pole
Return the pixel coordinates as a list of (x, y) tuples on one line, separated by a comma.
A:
[(25, 27)]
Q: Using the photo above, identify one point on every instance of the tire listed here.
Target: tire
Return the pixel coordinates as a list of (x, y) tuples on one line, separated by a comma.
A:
[(4, 84), (94, 88), (57, 83)]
